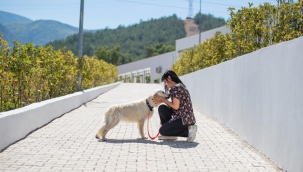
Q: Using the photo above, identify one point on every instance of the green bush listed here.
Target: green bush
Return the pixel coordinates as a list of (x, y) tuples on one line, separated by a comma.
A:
[(138, 79), (147, 79), (31, 74), (251, 28)]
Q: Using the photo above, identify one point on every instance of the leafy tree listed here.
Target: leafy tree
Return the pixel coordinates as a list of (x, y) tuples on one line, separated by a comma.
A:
[(113, 56), (157, 49), (6, 76), (208, 21)]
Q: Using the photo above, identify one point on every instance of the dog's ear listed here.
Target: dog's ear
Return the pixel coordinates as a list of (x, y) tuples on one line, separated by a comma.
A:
[(156, 92)]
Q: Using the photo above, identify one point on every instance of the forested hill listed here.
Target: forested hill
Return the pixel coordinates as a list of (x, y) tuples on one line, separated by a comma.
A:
[(132, 39), (125, 44)]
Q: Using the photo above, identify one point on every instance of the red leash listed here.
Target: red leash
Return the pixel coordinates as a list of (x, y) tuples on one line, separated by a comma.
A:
[(152, 138)]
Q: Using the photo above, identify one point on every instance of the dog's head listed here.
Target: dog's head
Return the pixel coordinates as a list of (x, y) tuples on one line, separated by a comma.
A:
[(161, 93), (157, 93)]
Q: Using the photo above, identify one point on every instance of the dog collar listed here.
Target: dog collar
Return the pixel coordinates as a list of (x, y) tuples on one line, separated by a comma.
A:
[(149, 106)]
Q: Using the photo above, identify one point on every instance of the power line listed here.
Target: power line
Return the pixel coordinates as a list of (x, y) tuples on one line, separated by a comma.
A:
[(168, 6), (64, 5), (229, 5), (24, 6), (73, 6), (143, 3)]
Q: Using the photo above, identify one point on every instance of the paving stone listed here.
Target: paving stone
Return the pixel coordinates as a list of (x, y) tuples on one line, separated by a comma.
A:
[(68, 143)]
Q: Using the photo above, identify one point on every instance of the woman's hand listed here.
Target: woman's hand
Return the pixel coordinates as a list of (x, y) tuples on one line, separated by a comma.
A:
[(174, 104), (157, 99)]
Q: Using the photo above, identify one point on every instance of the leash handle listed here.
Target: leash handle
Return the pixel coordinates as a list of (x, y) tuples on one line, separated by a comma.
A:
[(152, 138)]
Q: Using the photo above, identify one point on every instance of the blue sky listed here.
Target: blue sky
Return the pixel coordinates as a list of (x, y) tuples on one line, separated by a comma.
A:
[(99, 14)]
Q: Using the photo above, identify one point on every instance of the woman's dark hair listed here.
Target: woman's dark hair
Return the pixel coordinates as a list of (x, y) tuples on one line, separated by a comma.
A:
[(174, 77)]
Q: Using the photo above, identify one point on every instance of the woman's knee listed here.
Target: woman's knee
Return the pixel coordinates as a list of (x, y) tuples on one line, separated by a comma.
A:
[(162, 131), (162, 108)]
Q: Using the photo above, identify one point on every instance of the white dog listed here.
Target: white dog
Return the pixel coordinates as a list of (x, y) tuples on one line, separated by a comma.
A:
[(137, 111)]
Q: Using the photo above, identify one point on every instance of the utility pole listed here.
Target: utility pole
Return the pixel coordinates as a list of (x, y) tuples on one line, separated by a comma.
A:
[(80, 45), (200, 16)]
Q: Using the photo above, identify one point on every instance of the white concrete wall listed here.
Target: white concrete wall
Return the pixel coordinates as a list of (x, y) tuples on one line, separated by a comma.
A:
[(164, 60), (17, 124), (260, 97)]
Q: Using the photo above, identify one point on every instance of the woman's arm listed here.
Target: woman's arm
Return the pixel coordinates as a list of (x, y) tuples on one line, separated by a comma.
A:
[(174, 104)]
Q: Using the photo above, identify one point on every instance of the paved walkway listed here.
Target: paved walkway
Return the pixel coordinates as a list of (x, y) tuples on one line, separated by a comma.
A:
[(68, 144)]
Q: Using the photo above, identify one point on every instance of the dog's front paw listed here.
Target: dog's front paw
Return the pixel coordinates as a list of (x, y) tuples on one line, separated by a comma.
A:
[(101, 140), (144, 138)]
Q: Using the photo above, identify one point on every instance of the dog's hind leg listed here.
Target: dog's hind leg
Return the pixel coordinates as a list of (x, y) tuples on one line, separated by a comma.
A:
[(101, 131), (106, 121), (114, 120), (140, 127), (108, 128)]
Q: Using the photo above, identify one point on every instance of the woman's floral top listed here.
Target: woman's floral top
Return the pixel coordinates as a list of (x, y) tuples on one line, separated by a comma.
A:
[(185, 111)]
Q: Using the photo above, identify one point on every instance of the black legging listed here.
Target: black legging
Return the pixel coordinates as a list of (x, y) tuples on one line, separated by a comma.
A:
[(171, 128)]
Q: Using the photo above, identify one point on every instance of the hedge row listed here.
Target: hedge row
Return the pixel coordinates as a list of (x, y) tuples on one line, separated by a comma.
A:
[(251, 28), (31, 74)]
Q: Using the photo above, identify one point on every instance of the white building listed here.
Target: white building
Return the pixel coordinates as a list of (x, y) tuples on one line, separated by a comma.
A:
[(154, 67)]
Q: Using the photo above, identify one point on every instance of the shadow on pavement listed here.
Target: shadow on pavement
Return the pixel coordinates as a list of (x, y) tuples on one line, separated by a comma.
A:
[(173, 144)]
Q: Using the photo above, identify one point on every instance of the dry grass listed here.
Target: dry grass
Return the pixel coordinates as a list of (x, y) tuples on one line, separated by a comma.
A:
[(191, 27)]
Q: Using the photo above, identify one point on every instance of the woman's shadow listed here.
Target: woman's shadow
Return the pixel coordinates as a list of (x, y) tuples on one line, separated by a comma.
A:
[(171, 143)]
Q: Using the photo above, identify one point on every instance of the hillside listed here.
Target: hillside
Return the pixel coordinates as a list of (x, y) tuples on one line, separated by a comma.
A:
[(132, 40), (138, 41), (40, 32), (8, 18), (191, 27), (15, 27)]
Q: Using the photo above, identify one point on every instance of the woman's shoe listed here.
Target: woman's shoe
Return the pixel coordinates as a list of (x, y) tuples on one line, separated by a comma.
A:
[(192, 130), (160, 137)]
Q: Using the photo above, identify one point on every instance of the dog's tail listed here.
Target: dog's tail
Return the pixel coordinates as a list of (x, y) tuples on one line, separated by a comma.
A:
[(105, 122)]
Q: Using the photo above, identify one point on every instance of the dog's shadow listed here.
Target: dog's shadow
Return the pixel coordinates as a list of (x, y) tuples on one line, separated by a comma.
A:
[(174, 144)]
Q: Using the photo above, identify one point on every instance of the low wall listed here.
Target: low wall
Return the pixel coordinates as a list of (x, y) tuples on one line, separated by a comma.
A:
[(259, 96), (17, 124)]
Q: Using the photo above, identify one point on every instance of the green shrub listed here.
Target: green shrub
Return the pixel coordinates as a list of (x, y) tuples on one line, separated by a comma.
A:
[(31, 74), (147, 79), (251, 28)]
